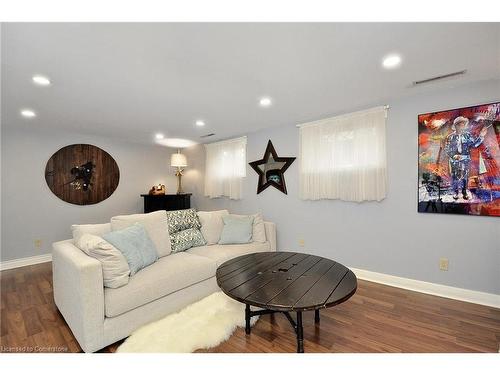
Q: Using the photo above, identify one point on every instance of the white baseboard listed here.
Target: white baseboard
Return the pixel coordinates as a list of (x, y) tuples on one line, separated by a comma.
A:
[(440, 290), (446, 291), (22, 262)]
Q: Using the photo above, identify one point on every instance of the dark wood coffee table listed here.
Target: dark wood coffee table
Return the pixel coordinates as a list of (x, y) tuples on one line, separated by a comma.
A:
[(285, 282)]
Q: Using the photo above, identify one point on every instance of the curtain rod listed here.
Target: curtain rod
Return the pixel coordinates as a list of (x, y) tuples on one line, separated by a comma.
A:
[(386, 107)]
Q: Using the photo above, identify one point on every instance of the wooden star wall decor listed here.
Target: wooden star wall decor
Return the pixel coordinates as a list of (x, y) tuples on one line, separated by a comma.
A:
[(271, 169)]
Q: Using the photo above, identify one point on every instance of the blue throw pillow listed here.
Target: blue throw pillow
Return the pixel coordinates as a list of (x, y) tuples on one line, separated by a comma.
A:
[(236, 230), (135, 245)]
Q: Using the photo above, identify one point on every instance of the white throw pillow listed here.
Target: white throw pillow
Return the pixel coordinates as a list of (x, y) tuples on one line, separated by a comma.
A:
[(115, 269), (156, 225), (95, 229), (259, 230), (211, 225)]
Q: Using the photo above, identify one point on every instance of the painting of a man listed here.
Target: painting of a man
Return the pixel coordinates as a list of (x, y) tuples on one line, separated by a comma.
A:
[(459, 161), (458, 148)]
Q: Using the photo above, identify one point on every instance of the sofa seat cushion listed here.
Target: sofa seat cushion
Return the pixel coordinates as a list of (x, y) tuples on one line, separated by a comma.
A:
[(222, 253), (168, 275)]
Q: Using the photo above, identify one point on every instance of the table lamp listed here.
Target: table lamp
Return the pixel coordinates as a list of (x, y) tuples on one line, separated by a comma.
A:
[(179, 161)]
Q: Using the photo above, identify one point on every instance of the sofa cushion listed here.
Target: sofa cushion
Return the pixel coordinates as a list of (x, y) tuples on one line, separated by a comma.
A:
[(115, 269), (135, 245), (236, 230), (166, 276), (258, 229), (155, 223), (182, 219), (211, 225), (221, 253), (186, 239), (95, 229)]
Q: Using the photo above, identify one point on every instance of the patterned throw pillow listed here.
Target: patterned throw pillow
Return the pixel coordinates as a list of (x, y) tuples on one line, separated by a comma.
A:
[(181, 220), (186, 239)]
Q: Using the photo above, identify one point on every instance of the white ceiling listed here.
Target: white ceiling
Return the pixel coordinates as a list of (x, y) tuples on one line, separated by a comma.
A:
[(131, 80)]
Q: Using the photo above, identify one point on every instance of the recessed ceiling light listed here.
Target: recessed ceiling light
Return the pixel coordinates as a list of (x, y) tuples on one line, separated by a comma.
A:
[(28, 113), (265, 101), (200, 123), (159, 136), (41, 80), (391, 61)]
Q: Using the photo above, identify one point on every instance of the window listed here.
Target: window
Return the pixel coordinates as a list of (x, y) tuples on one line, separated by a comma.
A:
[(225, 168), (344, 157)]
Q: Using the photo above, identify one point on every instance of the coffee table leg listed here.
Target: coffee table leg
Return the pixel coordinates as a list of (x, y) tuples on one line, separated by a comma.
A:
[(247, 319), (300, 333), (316, 316)]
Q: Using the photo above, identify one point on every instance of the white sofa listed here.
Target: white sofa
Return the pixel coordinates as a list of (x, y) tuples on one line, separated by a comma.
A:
[(100, 316)]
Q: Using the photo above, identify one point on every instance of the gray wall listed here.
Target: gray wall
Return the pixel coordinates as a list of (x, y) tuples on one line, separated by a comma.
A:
[(29, 209), (388, 237)]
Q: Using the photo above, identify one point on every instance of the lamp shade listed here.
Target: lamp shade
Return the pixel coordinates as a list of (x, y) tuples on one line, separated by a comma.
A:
[(178, 160)]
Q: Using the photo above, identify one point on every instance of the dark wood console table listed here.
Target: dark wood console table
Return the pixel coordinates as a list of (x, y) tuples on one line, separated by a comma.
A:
[(169, 202)]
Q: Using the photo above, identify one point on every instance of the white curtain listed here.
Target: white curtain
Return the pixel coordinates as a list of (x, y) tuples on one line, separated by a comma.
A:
[(225, 168), (344, 157)]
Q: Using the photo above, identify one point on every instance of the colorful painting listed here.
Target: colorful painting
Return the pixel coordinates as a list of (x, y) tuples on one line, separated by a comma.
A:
[(459, 161)]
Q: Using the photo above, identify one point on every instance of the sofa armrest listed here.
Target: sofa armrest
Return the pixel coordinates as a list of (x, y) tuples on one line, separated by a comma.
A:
[(79, 293), (271, 234)]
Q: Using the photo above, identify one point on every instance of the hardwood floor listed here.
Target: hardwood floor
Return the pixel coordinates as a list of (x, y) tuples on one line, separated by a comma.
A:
[(377, 318)]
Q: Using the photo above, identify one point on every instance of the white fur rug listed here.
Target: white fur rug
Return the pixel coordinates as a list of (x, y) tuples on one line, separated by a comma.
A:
[(202, 325)]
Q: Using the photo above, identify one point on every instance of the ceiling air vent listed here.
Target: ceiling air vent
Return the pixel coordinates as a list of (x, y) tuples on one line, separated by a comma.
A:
[(207, 135), (449, 75)]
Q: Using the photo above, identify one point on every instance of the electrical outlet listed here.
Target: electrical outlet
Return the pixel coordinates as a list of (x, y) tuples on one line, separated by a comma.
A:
[(302, 242), (38, 244), (443, 264)]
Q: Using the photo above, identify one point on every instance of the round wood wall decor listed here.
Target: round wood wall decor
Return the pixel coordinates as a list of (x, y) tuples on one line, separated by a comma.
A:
[(82, 174)]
